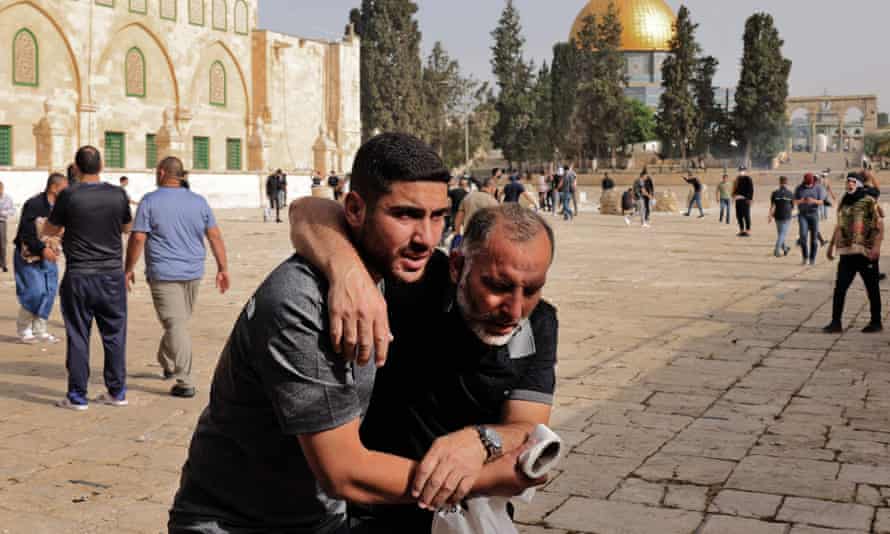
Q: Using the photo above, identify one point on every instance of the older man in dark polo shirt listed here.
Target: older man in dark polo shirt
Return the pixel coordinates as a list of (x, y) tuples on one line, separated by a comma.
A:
[(472, 368)]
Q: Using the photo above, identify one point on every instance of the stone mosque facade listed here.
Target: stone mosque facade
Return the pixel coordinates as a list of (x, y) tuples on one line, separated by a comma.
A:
[(142, 79)]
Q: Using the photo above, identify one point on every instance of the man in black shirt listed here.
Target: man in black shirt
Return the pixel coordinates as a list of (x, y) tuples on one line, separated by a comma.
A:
[(474, 351), (781, 206), (743, 194), (456, 195), (35, 265), (334, 184), (696, 195), (93, 215)]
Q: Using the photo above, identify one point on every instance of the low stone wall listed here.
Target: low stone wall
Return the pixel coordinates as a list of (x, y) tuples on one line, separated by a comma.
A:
[(222, 191), (666, 202), (610, 202)]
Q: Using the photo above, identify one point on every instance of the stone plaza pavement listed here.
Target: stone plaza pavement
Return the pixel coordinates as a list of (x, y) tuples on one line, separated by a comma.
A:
[(696, 392)]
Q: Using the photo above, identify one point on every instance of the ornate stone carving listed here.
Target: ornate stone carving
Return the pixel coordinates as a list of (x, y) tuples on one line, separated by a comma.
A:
[(241, 17), (135, 68), (217, 84), (168, 9), (25, 58), (196, 12), (220, 15)]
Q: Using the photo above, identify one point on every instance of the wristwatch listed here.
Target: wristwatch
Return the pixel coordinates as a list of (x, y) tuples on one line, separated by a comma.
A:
[(492, 442)]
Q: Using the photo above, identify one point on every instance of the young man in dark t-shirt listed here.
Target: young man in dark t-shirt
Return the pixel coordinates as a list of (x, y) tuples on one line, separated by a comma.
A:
[(514, 189), (278, 447), (93, 216), (781, 207), (695, 200)]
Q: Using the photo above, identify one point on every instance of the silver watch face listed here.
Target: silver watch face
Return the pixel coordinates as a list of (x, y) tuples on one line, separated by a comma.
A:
[(493, 438)]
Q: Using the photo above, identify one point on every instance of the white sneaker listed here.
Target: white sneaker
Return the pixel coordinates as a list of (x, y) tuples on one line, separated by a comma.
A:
[(48, 338), (68, 405), (627, 220), (107, 399), (646, 225), (28, 339)]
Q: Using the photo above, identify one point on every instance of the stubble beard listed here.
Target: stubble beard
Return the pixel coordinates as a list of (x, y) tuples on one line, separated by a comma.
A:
[(466, 310)]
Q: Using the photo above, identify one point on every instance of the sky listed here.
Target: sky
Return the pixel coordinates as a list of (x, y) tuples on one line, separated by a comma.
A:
[(835, 46)]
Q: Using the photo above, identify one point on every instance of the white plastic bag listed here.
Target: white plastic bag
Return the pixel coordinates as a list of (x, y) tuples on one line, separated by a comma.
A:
[(488, 515)]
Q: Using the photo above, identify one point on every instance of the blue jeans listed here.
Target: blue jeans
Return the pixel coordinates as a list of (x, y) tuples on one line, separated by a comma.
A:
[(782, 228), (35, 284), (567, 205), (809, 231), (696, 200), (725, 206), (824, 211)]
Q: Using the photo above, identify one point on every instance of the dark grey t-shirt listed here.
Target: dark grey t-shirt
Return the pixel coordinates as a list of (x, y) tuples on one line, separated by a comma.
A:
[(277, 378)]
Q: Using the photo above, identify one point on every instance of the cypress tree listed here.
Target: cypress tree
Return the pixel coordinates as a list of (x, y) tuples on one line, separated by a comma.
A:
[(515, 102), (391, 92), (762, 90), (678, 117), (542, 126), (563, 86), (708, 112)]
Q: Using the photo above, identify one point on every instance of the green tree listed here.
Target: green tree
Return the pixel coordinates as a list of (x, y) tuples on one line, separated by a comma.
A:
[(515, 101), (543, 141), (442, 91), (641, 125), (391, 70), (708, 111), (762, 91), (563, 86), (678, 116), (600, 111)]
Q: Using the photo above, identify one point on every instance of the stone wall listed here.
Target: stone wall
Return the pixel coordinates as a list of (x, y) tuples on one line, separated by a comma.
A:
[(176, 70)]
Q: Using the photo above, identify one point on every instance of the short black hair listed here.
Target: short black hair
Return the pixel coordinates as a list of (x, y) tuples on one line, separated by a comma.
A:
[(394, 157), (88, 160), (172, 167), (54, 178), (495, 171), (124, 179)]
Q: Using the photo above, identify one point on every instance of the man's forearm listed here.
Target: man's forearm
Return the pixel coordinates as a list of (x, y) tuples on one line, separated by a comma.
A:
[(319, 234), (380, 479), (218, 248), (134, 250)]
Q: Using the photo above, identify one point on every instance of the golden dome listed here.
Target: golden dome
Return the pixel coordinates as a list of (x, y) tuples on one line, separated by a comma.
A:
[(648, 24)]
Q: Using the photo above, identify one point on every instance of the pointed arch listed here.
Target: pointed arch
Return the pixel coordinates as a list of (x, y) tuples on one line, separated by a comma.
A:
[(220, 15), (154, 37), (242, 17)]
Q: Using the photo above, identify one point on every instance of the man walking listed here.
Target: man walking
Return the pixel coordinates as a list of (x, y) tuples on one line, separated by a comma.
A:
[(641, 194), (809, 197), (473, 202), (781, 206), (170, 225), (724, 197), (857, 240), (696, 195), (743, 194), (93, 216), (273, 186), (7, 210), (35, 263)]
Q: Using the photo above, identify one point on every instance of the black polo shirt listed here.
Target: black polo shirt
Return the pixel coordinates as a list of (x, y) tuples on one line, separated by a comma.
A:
[(783, 200), (440, 378)]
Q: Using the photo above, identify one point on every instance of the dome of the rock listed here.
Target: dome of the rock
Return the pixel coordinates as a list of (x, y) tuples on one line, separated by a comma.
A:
[(648, 25)]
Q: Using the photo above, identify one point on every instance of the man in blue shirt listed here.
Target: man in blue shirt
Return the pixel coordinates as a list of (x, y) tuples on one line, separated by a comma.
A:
[(171, 224)]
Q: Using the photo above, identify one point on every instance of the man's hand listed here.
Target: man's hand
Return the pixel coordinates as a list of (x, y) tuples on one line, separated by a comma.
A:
[(222, 282), (449, 470), (875, 253), (358, 317), (49, 255), (769, 219), (830, 253), (131, 280)]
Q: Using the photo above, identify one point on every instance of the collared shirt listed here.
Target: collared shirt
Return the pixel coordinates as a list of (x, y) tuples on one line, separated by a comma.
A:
[(441, 378), (815, 192)]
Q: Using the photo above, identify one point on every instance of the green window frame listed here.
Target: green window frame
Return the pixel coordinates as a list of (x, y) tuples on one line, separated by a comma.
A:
[(175, 9), (225, 96), (201, 153), (225, 6), (127, 73), (201, 22), (105, 3), (15, 38), (115, 150), (245, 13), (6, 145), (233, 154), (151, 151), (143, 11)]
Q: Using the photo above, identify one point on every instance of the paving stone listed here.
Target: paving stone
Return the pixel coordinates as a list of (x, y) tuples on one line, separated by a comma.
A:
[(868, 495), (610, 517), (542, 504), (623, 441), (710, 444), (882, 521), (639, 491), (868, 474), (806, 529), (719, 524), (577, 476), (745, 504), (791, 476), (679, 404), (686, 497), (695, 470), (826, 514)]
